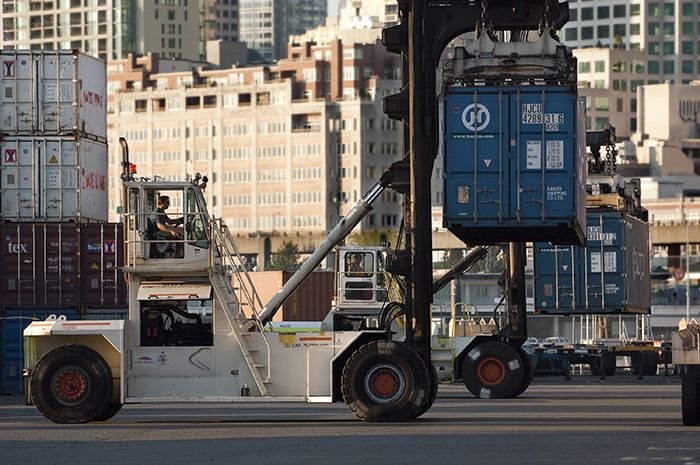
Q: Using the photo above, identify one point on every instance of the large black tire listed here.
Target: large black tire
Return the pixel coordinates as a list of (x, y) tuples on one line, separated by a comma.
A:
[(432, 392), (493, 370), (690, 395), (385, 381), (112, 409), (528, 372), (71, 384)]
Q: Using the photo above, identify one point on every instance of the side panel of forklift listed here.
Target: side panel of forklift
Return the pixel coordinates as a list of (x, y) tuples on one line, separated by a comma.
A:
[(610, 275), (514, 164)]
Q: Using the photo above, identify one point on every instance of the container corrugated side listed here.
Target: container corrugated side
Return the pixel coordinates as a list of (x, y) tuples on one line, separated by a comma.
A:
[(53, 179), (53, 93), (102, 259), (40, 264), (312, 300), (515, 161), (610, 275), (12, 324)]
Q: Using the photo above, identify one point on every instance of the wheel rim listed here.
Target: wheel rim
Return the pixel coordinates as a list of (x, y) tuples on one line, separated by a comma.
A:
[(70, 385), (491, 371), (384, 383)]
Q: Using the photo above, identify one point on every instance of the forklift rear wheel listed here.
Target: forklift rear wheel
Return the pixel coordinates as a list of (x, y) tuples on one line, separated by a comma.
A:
[(528, 372), (111, 410), (385, 381), (71, 384), (432, 393), (690, 395), (493, 370)]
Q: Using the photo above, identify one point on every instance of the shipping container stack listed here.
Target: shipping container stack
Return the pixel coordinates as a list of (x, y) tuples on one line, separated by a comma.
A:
[(58, 254), (610, 274)]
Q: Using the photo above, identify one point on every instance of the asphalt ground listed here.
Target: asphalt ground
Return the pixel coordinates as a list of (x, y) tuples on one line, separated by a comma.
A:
[(584, 421)]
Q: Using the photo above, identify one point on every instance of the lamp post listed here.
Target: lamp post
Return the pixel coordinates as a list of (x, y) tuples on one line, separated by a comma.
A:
[(687, 259)]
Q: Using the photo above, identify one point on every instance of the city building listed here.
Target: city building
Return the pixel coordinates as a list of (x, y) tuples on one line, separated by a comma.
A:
[(109, 29), (608, 79), (265, 26), (288, 148), (360, 14), (666, 31), (220, 20)]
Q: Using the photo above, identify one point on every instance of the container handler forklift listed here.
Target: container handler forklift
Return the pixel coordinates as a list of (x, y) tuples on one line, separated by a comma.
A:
[(187, 338)]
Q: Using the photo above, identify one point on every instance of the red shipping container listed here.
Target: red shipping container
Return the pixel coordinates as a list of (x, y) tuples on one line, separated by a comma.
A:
[(102, 261), (40, 265), (62, 264)]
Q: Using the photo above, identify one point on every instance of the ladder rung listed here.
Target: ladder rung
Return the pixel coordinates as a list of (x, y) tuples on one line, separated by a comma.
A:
[(259, 365)]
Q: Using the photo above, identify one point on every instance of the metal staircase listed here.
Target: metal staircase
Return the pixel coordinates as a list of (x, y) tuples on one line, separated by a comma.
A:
[(226, 263)]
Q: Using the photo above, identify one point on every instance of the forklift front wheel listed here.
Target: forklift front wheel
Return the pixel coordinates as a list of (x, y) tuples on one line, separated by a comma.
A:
[(432, 393), (493, 370), (71, 384), (385, 381), (528, 372)]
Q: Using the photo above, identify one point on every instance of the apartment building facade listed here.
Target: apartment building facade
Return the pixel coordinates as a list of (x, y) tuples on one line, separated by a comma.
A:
[(667, 31), (108, 29), (288, 148)]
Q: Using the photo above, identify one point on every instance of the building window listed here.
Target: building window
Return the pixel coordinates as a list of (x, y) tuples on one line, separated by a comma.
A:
[(587, 32), (687, 67), (669, 67), (600, 66), (603, 12), (688, 9), (654, 10), (619, 30), (599, 84), (633, 104), (586, 14), (620, 11), (633, 86), (620, 105), (571, 34), (687, 47), (668, 29), (654, 29), (603, 32), (669, 9), (688, 28), (601, 122), (653, 48), (654, 67), (584, 67), (573, 14), (635, 29), (668, 48), (601, 103)]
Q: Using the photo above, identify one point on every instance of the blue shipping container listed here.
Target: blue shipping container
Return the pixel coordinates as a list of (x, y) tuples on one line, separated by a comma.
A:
[(610, 275), (515, 164), (12, 325)]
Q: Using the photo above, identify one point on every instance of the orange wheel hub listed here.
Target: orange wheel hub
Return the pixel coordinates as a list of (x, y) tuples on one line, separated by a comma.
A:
[(491, 371)]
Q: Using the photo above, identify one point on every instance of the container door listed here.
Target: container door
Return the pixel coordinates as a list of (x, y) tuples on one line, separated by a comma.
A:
[(605, 262), (17, 112), (544, 165), (555, 274), (475, 157), (25, 185), (637, 264), (20, 265), (103, 282)]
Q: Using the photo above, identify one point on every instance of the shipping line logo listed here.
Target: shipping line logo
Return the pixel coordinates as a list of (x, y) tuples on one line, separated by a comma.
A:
[(476, 117)]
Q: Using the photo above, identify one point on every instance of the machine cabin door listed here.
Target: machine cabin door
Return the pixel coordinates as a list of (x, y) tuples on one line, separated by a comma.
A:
[(357, 279)]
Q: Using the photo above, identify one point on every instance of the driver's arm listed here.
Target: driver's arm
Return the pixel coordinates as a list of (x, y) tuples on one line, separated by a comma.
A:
[(165, 228)]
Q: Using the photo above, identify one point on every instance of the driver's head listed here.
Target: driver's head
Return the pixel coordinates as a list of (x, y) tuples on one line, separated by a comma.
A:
[(163, 202)]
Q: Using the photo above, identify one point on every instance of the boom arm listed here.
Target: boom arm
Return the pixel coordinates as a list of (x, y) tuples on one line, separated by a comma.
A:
[(474, 255), (337, 234)]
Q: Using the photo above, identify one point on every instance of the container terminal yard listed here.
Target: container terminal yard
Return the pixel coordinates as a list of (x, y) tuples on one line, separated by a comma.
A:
[(155, 333)]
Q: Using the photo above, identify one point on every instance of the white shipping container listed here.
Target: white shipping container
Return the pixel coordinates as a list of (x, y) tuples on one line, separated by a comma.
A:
[(53, 179), (52, 93)]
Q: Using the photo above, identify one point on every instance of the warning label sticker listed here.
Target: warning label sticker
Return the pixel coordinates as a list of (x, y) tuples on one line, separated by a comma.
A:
[(10, 155), (462, 194), (555, 154), (534, 155), (595, 262), (53, 160)]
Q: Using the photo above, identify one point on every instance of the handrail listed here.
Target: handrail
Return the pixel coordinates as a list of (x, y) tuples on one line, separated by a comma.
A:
[(223, 243)]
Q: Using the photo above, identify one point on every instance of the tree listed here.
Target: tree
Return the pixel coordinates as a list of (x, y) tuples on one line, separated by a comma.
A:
[(286, 258), (371, 238)]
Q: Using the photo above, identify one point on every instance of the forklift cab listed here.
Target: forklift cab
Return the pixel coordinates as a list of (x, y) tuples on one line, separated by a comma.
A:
[(186, 238), (361, 280)]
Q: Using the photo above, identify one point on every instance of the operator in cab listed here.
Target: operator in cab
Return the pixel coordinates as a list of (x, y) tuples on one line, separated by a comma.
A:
[(161, 223)]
